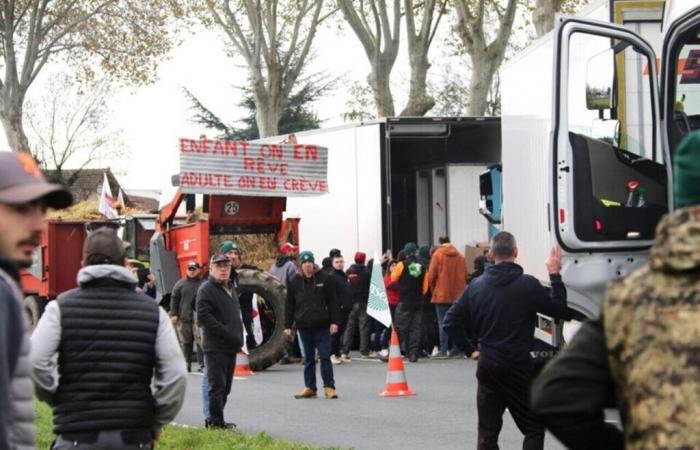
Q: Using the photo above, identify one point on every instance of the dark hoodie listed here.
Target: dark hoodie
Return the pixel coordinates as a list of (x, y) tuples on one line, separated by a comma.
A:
[(359, 278), (499, 309)]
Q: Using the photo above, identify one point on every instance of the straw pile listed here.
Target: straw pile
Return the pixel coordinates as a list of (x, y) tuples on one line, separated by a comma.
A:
[(86, 210), (259, 250)]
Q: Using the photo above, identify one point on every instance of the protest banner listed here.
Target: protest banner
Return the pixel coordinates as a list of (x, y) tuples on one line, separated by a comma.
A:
[(215, 166)]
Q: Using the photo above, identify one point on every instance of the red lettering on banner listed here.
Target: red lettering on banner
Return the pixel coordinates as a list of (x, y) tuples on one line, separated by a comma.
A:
[(304, 185), (311, 152), (244, 147), (219, 148), (297, 151), (271, 151), (267, 183), (246, 182)]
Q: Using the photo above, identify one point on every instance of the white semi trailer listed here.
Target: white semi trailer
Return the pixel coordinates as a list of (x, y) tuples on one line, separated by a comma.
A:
[(397, 180), (590, 121)]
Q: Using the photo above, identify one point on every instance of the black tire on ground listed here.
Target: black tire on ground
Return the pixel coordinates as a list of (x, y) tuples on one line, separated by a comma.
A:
[(271, 298), (34, 306)]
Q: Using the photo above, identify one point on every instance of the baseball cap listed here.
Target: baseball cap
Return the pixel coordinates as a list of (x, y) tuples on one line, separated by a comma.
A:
[(306, 256), (360, 257), (218, 258), (288, 248), (227, 246), (103, 246), (21, 181), (193, 265)]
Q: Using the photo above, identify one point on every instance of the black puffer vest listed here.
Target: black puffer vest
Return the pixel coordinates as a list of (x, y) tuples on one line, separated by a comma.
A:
[(106, 358), (410, 287)]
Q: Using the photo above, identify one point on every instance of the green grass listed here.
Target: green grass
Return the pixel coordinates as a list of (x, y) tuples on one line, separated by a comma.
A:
[(180, 438)]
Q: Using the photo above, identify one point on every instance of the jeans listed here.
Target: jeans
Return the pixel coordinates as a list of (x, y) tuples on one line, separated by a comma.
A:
[(205, 395), (358, 319), (441, 309), (220, 367), (500, 388), (107, 440), (317, 338), (338, 337)]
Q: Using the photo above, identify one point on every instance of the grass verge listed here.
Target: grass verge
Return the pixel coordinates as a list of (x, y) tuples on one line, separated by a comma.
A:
[(180, 438)]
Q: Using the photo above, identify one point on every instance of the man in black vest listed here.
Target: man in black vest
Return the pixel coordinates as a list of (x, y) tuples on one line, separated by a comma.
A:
[(219, 315), (409, 313), (113, 343)]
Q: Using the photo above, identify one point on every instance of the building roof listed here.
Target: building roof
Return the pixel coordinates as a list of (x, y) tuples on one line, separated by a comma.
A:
[(85, 184)]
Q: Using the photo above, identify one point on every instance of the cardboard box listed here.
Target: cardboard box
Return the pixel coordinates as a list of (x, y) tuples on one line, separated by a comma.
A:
[(472, 251)]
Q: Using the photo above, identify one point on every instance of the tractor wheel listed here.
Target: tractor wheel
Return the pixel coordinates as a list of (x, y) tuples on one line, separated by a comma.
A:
[(34, 307), (270, 300)]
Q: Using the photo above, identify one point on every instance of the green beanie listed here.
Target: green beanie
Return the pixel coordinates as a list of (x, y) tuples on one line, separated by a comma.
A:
[(306, 256), (227, 246), (410, 248), (424, 251), (686, 171)]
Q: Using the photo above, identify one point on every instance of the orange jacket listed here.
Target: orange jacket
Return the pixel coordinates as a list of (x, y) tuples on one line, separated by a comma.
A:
[(447, 274)]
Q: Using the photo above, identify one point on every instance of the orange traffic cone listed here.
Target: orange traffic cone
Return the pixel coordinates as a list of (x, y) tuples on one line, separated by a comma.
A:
[(242, 366), (396, 384)]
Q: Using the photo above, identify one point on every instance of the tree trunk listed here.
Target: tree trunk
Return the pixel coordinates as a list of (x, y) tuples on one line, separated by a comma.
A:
[(11, 118), (483, 70), (378, 80), (419, 102), (543, 15)]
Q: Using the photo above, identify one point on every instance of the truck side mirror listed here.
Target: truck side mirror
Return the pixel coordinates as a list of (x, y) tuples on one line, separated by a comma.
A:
[(600, 76)]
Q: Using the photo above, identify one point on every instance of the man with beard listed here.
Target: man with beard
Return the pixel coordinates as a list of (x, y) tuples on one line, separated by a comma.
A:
[(24, 197)]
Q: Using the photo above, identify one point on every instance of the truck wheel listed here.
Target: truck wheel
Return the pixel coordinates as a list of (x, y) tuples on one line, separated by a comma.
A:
[(34, 307), (271, 296)]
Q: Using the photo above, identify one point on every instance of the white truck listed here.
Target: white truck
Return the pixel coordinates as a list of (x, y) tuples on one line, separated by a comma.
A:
[(588, 140), (397, 180)]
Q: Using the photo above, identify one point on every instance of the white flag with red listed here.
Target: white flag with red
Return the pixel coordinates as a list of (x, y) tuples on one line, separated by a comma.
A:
[(107, 201)]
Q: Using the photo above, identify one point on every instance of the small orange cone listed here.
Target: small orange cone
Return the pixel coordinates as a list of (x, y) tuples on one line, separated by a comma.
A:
[(242, 366), (396, 384)]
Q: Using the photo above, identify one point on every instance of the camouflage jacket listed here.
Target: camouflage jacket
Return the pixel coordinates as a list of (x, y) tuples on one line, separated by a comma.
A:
[(652, 331), (642, 355)]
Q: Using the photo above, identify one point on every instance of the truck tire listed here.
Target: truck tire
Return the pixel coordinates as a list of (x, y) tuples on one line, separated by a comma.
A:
[(271, 297), (34, 307)]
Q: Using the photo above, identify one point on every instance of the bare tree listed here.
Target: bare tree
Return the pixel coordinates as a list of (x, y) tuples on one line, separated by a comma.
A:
[(122, 37), (544, 11), (69, 128), (274, 37), (486, 57), (419, 102), (378, 30)]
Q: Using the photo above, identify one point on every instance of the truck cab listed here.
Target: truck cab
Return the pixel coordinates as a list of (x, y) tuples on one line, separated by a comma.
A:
[(587, 159)]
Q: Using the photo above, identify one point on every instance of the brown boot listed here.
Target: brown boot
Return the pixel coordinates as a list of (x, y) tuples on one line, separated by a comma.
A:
[(306, 393), (330, 392)]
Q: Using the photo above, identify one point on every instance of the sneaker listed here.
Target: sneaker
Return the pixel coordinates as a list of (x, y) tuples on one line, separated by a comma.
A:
[(306, 393), (345, 358), (413, 358), (384, 353), (373, 354), (330, 392), (336, 360), (365, 355), (435, 352), (440, 355)]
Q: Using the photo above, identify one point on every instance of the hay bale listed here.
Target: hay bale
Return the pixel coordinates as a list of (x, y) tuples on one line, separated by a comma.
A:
[(259, 250), (86, 210)]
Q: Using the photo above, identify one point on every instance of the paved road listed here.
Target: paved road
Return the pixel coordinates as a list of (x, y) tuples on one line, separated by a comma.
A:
[(442, 415)]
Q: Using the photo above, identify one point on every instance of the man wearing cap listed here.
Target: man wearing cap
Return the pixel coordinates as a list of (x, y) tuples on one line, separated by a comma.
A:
[(114, 344), (219, 315), (641, 353), (312, 308), (182, 306), (358, 278), (24, 197), (235, 255), (408, 274), (284, 267)]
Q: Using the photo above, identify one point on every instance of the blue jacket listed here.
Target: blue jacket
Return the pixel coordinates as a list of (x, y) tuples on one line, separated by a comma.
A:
[(499, 309)]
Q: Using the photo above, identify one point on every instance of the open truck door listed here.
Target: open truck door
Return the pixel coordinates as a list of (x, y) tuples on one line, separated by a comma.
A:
[(610, 168)]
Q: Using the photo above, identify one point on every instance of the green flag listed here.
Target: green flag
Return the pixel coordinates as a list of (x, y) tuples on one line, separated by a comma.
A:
[(377, 304)]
